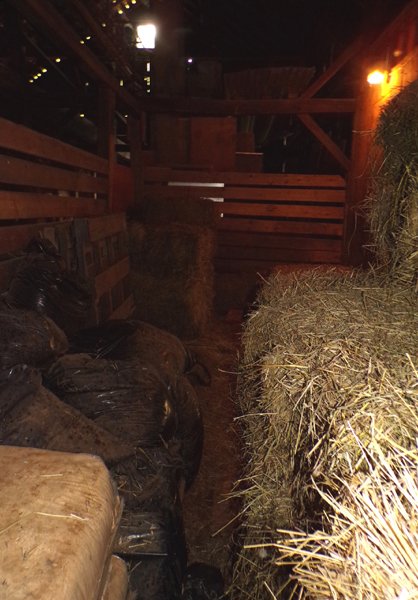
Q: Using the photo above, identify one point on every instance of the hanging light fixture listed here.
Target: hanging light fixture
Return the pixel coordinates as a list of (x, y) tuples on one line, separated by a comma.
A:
[(377, 77), (146, 34)]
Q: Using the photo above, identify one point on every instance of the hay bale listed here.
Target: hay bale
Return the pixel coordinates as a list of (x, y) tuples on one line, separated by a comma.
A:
[(164, 211), (172, 276), (392, 205), (327, 387)]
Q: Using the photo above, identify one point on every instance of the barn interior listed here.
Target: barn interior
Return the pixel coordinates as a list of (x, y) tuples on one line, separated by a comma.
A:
[(208, 278)]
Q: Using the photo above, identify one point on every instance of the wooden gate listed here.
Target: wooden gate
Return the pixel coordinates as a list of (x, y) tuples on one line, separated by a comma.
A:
[(263, 219)]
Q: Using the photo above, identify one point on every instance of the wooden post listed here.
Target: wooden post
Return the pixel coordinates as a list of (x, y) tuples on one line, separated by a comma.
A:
[(137, 161), (106, 137), (355, 228)]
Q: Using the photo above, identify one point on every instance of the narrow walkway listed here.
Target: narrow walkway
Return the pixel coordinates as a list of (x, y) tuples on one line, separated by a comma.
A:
[(207, 513)]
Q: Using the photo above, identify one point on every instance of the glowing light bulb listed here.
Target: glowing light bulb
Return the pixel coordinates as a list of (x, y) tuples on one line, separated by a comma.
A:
[(57, 60), (376, 77)]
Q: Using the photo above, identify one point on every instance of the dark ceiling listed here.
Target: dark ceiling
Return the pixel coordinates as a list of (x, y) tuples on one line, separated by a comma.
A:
[(307, 32)]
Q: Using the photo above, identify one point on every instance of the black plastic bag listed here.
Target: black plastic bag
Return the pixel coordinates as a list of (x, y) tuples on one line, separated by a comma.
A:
[(41, 420), (29, 338), (203, 582), (126, 398), (151, 536), (44, 286), (17, 384), (122, 339)]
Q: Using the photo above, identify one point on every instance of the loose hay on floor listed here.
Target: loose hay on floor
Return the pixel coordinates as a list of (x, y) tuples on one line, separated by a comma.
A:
[(328, 389)]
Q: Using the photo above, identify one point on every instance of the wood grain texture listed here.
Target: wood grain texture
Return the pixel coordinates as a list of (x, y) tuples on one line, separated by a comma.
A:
[(25, 205), (22, 139)]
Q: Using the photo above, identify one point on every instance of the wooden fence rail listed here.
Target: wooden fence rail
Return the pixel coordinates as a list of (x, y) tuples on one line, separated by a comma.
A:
[(41, 177), (263, 218), (58, 192)]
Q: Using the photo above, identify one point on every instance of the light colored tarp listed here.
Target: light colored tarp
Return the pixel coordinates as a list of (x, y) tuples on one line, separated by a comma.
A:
[(59, 512), (117, 581)]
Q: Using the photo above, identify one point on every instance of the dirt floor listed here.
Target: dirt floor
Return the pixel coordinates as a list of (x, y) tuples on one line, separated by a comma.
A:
[(210, 517)]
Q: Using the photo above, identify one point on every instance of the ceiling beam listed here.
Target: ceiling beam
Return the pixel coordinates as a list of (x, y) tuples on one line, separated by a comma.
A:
[(212, 107), (102, 38), (59, 30), (341, 60)]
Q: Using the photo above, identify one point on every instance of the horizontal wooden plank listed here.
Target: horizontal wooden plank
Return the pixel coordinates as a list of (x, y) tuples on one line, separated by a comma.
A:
[(125, 310), (228, 239), (22, 139), (16, 237), (106, 226), (105, 281), (187, 105), (22, 205), (303, 211), (163, 174), (285, 227), (276, 254), (266, 266), (23, 172), (267, 194)]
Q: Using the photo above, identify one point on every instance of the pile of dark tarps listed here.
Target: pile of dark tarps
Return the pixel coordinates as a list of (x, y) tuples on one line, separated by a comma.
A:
[(125, 391)]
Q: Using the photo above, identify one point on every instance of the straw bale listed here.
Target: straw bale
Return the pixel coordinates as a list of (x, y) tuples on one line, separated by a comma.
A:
[(327, 382), (172, 277), (164, 211), (392, 205)]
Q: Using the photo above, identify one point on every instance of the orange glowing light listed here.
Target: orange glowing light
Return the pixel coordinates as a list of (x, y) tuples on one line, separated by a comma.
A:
[(376, 77)]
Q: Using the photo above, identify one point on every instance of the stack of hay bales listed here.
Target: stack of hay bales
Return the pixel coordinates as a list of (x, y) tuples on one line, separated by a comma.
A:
[(329, 393), (172, 249), (393, 201), (328, 388)]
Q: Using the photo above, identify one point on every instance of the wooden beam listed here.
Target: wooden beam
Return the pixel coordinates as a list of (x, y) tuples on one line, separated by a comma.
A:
[(244, 253), (102, 38), (324, 138), (106, 280), (25, 140), (125, 310), (282, 227), (106, 226), (19, 172), (353, 49), (215, 107), (238, 178), (22, 205), (137, 161), (265, 194), (288, 211), (59, 29)]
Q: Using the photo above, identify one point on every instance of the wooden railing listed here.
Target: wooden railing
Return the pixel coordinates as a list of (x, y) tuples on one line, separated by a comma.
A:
[(263, 218), (61, 193), (41, 177)]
